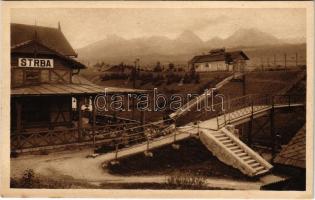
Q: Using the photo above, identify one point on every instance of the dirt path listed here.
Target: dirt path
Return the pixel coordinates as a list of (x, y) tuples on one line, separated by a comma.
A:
[(74, 166)]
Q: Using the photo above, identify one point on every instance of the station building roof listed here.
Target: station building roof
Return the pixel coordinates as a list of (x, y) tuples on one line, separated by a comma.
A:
[(293, 154), (79, 86), (43, 49), (50, 37)]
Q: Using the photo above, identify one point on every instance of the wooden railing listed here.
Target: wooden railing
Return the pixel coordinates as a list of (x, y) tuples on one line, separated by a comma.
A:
[(251, 104), (124, 133), (130, 133)]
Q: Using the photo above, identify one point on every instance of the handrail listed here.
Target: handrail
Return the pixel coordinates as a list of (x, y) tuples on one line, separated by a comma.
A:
[(255, 101)]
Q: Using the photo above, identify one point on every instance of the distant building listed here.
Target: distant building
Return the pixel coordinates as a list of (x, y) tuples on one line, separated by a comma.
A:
[(219, 60)]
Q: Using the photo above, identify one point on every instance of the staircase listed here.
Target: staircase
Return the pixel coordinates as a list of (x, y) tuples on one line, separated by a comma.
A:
[(232, 151), (185, 108)]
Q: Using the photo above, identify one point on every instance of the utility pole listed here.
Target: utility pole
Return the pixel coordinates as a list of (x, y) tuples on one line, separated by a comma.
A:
[(272, 130), (274, 60), (244, 85), (296, 60), (134, 74), (285, 62), (262, 64)]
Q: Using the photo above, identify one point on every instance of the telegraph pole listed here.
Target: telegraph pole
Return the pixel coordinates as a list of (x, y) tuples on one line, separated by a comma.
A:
[(296, 60), (134, 74), (285, 62)]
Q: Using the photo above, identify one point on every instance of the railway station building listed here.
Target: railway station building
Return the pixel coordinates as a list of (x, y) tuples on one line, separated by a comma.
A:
[(44, 89)]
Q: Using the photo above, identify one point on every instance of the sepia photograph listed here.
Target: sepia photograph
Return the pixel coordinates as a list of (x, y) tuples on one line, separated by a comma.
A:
[(158, 97)]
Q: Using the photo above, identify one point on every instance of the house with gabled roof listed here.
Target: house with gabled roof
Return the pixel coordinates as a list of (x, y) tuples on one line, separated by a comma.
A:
[(219, 60), (43, 89)]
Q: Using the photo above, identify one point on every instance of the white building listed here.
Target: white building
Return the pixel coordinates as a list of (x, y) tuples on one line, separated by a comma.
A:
[(219, 60)]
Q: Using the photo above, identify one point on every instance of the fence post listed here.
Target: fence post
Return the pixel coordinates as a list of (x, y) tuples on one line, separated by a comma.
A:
[(174, 136), (148, 143), (229, 108), (116, 152), (217, 122), (94, 120), (272, 131), (250, 124), (79, 104), (252, 104)]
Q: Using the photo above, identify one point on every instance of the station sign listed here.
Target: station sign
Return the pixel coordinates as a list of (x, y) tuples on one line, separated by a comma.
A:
[(36, 62)]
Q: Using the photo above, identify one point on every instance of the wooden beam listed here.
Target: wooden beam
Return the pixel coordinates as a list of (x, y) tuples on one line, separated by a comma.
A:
[(250, 126), (244, 85), (142, 117), (18, 108), (79, 105), (272, 131), (94, 119)]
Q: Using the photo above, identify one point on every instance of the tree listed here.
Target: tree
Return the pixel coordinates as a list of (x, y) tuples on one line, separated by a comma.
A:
[(157, 67), (171, 66)]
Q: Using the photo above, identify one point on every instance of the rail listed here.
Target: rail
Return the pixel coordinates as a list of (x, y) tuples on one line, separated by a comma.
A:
[(107, 134), (251, 104), (125, 134)]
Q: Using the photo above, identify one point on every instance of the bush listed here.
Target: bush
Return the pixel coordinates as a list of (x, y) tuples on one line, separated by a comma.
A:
[(146, 78), (186, 181), (173, 78), (28, 180), (32, 180), (187, 79), (114, 76)]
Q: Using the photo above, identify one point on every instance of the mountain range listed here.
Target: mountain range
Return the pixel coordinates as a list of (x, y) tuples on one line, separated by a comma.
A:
[(115, 49)]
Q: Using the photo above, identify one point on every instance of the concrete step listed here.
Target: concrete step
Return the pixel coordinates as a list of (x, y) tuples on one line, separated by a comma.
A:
[(230, 149), (220, 136), (255, 165), (238, 151), (231, 145), (251, 161), (247, 158), (224, 138), (235, 148), (258, 169), (242, 155), (228, 142)]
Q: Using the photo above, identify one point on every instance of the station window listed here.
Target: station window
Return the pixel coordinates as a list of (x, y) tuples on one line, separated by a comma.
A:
[(32, 77)]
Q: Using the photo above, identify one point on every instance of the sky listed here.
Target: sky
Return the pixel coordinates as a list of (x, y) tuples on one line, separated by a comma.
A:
[(83, 26)]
